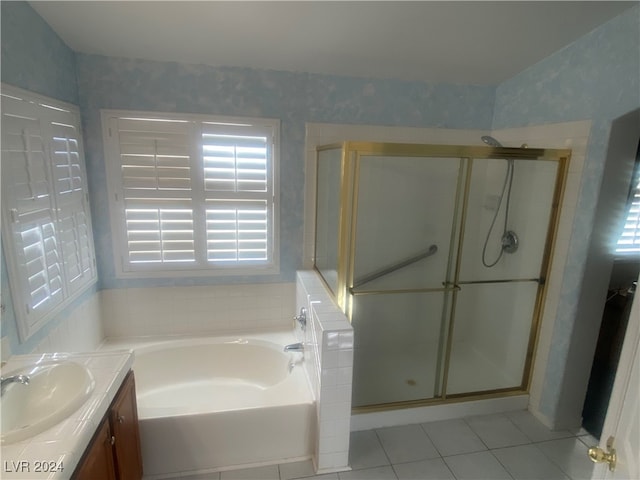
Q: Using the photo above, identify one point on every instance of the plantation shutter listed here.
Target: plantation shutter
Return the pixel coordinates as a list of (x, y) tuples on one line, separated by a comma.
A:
[(46, 221), (629, 240), (71, 194), (191, 194), (238, 187), (156, 170)]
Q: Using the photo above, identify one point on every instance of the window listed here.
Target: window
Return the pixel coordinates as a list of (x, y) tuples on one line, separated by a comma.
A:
[(629, 240), (192, 195), (45, 211)]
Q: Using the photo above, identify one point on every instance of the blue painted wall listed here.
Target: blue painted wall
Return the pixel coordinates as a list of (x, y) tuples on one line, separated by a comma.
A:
[(598, 78), (294, 98), (33, 56)]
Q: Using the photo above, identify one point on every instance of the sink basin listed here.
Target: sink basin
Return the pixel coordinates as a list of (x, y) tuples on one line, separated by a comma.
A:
[(55, 391)]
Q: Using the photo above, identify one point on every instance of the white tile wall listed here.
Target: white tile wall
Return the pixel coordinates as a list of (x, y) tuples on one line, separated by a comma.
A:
[(81, 331), (193, 310), (328, 341)]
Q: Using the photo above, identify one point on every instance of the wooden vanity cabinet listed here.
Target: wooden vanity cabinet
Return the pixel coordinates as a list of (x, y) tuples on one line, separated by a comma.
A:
[(97, 462), (123, 419), (114, 452)]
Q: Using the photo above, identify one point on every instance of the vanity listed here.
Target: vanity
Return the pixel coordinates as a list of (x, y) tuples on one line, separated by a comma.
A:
[(75, 419)]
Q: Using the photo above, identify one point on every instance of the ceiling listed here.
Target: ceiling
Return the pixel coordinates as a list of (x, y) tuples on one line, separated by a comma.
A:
[(477, 42)]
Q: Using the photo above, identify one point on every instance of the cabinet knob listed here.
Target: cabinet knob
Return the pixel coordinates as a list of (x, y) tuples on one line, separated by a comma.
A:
[(113, 440), (121, 419)]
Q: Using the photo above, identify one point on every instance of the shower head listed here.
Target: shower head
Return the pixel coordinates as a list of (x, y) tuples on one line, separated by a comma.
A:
[(491, 141)]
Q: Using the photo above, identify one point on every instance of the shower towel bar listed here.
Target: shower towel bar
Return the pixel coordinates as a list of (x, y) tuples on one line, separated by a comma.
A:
[(396, 266)]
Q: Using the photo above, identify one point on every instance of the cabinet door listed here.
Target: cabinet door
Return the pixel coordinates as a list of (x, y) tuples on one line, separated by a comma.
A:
[(123, 418), (97, 464)]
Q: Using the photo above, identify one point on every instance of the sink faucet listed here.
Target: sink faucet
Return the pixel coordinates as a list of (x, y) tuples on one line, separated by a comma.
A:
[(294, 347), (4, 382)]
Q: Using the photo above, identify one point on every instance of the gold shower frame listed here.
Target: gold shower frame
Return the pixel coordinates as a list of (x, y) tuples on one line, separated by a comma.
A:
[(349, 184)]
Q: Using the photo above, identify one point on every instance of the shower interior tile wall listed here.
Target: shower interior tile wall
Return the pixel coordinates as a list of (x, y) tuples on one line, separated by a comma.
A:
[(328, 340), (194, 310)]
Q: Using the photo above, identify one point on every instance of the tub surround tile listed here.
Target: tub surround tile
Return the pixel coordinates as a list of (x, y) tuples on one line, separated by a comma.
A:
[(328, 342), (213, 309)]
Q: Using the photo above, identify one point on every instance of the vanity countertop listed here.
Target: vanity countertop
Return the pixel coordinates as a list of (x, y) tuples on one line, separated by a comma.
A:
[(55, 452)]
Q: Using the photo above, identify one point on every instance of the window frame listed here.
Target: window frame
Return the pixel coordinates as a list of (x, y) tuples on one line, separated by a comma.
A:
[(63, 212), (123, 269)]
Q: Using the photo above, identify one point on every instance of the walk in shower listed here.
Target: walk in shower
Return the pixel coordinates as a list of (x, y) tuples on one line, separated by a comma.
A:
[(438, 254)]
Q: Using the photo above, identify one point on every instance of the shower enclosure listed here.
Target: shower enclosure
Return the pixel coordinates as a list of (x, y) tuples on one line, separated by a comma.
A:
[(438, 254)]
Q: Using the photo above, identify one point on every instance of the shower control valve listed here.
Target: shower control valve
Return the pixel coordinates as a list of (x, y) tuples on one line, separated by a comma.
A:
[(301, 318)]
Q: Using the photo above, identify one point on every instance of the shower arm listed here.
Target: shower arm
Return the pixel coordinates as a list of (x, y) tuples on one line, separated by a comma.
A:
[(396, 266)]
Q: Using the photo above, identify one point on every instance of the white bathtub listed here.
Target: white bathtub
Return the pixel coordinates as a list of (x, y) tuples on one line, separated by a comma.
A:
[(217, 403)]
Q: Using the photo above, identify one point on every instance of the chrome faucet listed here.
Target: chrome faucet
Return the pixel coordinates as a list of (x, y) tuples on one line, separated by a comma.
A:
[(4, 382), (294, 347)]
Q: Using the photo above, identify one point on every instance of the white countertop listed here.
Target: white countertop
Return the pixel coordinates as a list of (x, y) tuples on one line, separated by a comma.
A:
[(59, 448)]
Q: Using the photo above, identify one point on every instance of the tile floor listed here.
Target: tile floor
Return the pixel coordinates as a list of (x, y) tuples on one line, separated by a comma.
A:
[(509, 446)]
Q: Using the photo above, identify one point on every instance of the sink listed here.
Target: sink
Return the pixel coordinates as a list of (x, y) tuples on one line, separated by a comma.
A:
[(55, 391)]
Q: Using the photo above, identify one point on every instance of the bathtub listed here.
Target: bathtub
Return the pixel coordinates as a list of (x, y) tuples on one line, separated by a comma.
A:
[(218, 403)]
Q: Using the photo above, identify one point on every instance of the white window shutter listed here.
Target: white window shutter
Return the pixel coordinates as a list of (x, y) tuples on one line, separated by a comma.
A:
[(237, 232), (191, 194), (28, 199), (45, 211), (629, 240), (155, 164), (235, 159)]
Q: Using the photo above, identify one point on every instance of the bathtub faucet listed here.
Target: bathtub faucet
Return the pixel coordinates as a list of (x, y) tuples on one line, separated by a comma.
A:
[(294, 347), (4, 382)]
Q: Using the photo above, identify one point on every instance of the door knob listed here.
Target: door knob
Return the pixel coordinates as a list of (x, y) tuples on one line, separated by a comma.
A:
[(598, 455)]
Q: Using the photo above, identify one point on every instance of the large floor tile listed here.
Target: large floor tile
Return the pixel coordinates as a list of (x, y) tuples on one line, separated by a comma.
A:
[(379, 473), (407, 443), (365, 450), (534, 429), (453, 437), (434, 469), (497, 431), (570, 454), (290, 471), (527, 462), (477, 466)]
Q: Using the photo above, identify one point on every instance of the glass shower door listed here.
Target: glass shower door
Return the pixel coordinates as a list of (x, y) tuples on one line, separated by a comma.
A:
[(500, 273), (403, 231)]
